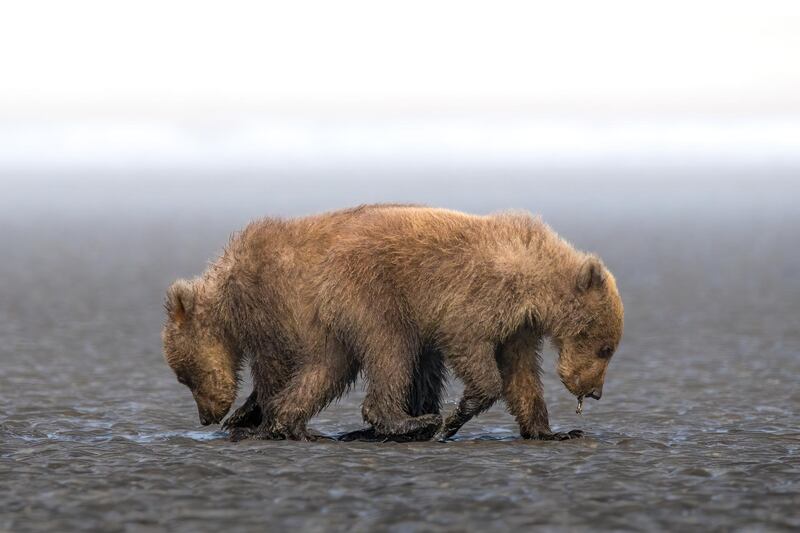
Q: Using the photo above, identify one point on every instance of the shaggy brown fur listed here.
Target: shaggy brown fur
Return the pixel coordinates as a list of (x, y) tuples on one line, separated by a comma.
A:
[(393, 291), (256, 304)]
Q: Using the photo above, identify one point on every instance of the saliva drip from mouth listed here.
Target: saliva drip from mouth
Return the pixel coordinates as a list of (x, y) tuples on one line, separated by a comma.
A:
[(579, 409)]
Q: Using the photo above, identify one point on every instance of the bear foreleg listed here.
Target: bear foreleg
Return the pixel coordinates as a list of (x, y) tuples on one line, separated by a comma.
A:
[(248, 415), (520, 366), (322, 378)]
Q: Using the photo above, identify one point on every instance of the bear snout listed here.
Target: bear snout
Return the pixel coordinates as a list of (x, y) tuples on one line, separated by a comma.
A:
[(209, 415), (596, 393), (206, 418)]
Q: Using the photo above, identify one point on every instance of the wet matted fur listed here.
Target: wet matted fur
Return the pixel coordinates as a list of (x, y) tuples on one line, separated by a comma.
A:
[(393, 292)]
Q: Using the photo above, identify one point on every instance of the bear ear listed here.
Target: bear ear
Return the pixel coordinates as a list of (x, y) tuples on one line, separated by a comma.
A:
[(180, 300), (592, 274)]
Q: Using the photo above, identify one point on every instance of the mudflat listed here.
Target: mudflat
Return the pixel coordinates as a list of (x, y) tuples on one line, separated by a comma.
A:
[(699, 425)]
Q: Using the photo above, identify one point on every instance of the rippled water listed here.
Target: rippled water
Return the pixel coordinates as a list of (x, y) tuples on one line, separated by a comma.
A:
[(699, 426)]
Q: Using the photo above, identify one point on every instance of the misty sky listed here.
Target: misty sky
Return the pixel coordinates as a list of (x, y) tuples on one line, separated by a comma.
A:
[(208, 83)]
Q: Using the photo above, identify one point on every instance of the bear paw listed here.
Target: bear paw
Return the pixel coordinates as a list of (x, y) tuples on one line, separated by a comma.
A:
[(558, 435), (246, 416), (238, 434)]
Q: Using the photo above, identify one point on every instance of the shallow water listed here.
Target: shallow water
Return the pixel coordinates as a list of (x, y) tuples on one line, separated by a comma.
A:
[(699, 426)]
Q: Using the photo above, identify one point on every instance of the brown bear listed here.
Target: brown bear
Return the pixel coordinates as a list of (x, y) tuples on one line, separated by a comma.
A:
[(256, 304), (393, 291)]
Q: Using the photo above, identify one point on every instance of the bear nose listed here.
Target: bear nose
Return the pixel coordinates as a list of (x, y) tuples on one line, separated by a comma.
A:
[(596, 393)]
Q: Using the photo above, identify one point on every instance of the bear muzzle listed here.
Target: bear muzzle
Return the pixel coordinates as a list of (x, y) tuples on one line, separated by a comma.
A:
[(210, 416), (596, 393), (206, 418)]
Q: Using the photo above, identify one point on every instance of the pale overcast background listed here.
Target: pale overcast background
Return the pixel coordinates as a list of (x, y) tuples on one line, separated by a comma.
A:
[(152, 87)]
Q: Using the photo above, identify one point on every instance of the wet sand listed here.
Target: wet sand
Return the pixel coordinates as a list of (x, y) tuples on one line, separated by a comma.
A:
[(698, 428)]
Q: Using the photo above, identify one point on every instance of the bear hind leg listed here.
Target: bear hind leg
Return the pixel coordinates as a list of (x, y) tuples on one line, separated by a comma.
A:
[(389, 366), (477, 367), (424, 399), (426, 389)]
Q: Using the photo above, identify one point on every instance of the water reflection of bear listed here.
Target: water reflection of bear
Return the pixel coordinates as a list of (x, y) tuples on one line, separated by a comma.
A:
[(394, 292)]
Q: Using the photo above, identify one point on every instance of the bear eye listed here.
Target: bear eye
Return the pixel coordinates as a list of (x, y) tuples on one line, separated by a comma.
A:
[(182, 380), (605, 352)]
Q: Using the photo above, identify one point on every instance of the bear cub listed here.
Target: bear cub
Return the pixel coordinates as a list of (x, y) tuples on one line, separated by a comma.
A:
[(397, 294)]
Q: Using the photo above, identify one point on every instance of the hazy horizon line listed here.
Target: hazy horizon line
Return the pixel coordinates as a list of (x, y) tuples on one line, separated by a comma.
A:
[(265, 143)]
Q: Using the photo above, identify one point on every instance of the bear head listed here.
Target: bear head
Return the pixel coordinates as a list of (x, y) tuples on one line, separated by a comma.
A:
[(196, 352), (586, 349)]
